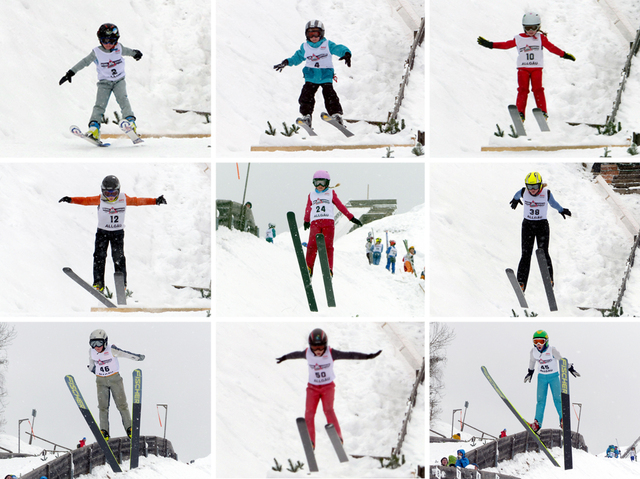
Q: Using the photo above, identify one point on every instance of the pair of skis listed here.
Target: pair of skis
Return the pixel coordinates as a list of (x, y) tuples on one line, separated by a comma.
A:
[(308, 446), (121, 293), (136, 409), (566, 415), (519, 124), (546, 280), (125, 126), (304, 270), (329, 119)]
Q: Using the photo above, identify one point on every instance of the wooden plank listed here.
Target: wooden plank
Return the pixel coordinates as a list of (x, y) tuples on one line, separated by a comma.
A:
[(323, 147), (167, 135), (148, 310), (548, 148)]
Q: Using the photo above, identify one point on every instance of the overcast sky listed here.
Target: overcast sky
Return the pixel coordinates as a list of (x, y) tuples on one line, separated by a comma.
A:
[(604, 353), (276, 188)]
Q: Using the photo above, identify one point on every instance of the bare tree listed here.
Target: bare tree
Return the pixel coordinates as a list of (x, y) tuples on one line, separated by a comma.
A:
[(7, 334), (440, 337)]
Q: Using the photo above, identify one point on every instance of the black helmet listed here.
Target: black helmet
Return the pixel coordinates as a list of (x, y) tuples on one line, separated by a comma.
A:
[(108, 31), (110, 188), (318, 338)]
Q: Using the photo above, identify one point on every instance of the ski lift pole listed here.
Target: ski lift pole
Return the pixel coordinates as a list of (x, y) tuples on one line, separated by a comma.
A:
[(579, 415), (452, 419), (20, 421), (244, 196), (33, 414), (166, 409), (466, 405)]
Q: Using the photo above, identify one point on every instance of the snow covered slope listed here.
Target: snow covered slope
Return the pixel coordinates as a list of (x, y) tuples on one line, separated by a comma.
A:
[(165, 245), (472, 244), (42, 41), (255, 278), (249, 92), (258, 400)]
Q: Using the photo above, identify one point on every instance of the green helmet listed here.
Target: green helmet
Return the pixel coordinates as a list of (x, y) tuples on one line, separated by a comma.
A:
[(540, 334)]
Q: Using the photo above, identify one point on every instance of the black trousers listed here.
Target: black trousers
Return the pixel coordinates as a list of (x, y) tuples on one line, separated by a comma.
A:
[(103, 239), (307, 98), (533, 231)]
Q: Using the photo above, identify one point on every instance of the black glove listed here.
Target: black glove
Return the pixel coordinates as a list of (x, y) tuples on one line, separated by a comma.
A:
[(569, 56), (280, 359), (92, 370), (565, 212), (527, 378), (356, 221), (374, 355), (347, 58), (280, 66), (575, 373), (65, 199), (140, 357), (485, 43), (66, 77), (137, 55), (160, 200), (307, 225), (514, 204)]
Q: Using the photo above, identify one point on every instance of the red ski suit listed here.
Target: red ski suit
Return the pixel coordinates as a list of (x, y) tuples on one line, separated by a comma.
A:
[(533, 75), (324, 226)]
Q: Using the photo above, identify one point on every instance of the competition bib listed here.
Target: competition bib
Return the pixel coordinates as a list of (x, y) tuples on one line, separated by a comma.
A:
[(535, 207), (111, 215), (320, 367), (106, 363), (529, 51), (321, 205), (318, 57), (110, 65), (546, 362)]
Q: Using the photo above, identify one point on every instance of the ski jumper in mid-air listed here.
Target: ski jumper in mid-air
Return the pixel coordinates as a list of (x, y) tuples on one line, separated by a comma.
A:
[(531, 45), (319, 216), (535, 226), (112, 207), (320, 358), (318, 71), (548, 376)]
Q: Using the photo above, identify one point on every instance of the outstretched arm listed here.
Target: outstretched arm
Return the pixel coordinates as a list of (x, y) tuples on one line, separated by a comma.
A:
[(121, 353), (293, 355), (335, 354)]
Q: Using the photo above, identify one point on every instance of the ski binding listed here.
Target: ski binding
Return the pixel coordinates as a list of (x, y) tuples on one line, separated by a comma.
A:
[(125, 126), (336, 123), (78, 132)]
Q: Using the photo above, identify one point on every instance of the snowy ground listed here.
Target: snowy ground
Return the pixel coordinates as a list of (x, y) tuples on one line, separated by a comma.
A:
[(367, 90), (370, 399), (470, 86), (472, 247), (43, 41), (165, 245)]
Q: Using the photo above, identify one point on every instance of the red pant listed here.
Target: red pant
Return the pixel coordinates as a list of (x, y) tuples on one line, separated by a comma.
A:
[(327, 228), (535, 76), (327, 393)]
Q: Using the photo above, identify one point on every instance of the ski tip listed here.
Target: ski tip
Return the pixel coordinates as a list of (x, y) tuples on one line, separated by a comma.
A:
[(66, 269)]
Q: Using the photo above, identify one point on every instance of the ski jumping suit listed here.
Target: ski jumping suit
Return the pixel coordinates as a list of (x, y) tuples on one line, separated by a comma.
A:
[(106, 367), (319, 212), (110, 67), (529, 64), (548, 375), (392, 252), (110, 230), (321, 385), (535, 226), (318, 72)]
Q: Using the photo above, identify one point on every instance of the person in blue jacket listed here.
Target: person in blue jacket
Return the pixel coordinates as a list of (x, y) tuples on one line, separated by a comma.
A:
[(392, 252), (462, 459), (318, 71)]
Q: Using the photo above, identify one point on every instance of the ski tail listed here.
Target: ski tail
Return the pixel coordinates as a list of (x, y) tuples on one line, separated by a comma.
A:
[(326, 271), (566, 413), (306, 443), (302, 264), (136, 410)]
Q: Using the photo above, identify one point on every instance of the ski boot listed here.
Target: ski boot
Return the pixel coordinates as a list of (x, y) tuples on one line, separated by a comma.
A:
[(129, 432), (522, 287), (338, 118), (99, 287), (535, 426), (305, 119), (521, 116), (561, 424), (94, 130), (132, 120), (105, 434)]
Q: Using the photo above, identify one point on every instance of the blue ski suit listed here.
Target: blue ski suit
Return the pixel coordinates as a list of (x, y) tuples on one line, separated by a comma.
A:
[(548, 377)]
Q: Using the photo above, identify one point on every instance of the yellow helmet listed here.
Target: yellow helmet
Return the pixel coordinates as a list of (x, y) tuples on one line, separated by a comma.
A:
[(533, 181)]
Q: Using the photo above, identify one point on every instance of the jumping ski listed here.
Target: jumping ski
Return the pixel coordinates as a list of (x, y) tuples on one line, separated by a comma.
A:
[(78, 132), (121, 292), (304, 271), (326, 271), (336, 123), (337, 443), (91, 422), (566, 413), (96, 294), (546, 279), (125, 126), (135, 418), (306, 443), (524, 423), (517, 121), (305, 125), (542, 121), (516, 287)]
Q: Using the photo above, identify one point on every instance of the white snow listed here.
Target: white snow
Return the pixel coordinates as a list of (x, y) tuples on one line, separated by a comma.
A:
[(471, 86), (165, 245), (42, 41), (258, 400), (250, 93)]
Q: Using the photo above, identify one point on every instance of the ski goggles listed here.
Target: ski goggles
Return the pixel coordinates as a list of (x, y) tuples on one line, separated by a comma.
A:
[(540, 341), (534, 187), (110, 193), (96, 343), (318, 348), (321, 182), (529, 28), (314, 33), (109, 41)]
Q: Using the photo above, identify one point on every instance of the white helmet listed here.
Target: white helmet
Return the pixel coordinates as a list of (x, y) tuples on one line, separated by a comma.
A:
[(97, 337), (531, 20)]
